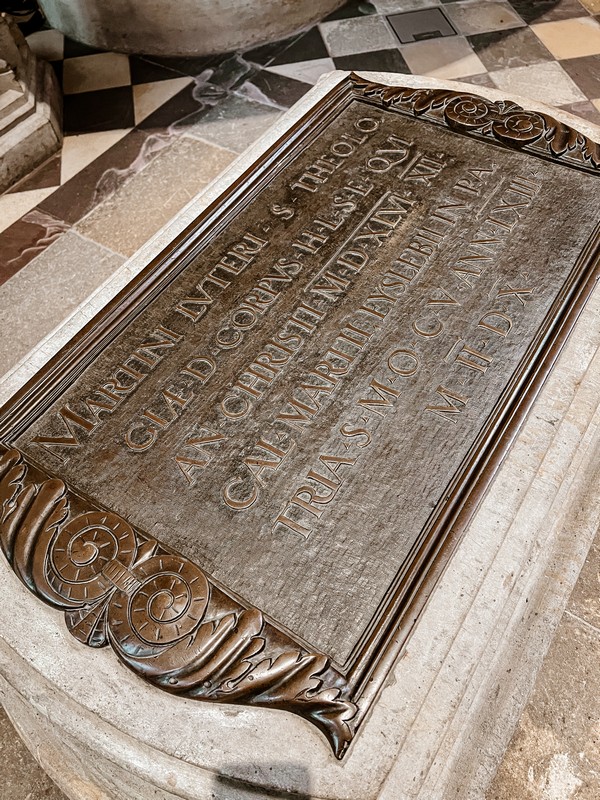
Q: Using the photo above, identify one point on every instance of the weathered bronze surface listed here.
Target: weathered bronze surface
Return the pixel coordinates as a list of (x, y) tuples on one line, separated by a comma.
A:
[(298, 405)]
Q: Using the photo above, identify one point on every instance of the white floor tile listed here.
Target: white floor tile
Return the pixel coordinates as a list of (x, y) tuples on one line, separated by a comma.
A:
[(14, 206), (306, 71), (546, 82), (100, 71), (147, 97), (79, 151)]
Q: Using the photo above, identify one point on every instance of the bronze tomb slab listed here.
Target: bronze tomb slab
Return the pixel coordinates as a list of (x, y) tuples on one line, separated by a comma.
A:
[(247, 472)]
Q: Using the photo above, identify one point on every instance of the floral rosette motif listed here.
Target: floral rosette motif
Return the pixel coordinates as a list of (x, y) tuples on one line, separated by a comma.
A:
[(519, 126), (468, 111), (502, 120)]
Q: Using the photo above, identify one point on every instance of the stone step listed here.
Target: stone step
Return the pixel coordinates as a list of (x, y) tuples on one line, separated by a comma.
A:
[(30, 129)]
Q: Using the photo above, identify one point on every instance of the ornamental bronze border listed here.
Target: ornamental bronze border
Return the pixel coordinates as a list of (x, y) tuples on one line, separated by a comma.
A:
[(163, 617), (158, 611)]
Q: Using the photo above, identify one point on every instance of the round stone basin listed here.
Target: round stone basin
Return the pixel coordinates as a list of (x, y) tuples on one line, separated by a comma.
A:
[(183, 28)]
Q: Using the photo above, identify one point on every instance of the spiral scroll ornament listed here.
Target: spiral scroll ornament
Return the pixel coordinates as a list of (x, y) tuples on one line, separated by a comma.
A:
[(83, 549), (168, 604), (519, 126), (468, 112), (157, 609)]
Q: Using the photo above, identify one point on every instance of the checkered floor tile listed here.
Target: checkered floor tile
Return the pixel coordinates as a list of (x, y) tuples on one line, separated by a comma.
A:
[(111, 92), (117, 107)]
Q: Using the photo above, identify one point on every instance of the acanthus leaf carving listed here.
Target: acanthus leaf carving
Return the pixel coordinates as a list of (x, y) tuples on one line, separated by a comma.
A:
[(159, 612), (504, 121)]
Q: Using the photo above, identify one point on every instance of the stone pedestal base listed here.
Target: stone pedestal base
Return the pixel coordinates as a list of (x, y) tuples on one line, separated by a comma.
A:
[(30, 107), (445, 714), (187, 27)]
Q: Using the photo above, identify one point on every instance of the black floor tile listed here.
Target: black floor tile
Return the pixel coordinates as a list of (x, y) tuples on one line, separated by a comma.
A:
[(585, 71), (45, 176), (145, 70), (231, 71), (483, 79), (24, 240), (354, 8), (185, 65), (266, 53), (182, 108), (75, 49), (28, 22), (186, 107), (57, 66), (75, 198), (378, 60), (305, 48), (516, 47), (104, 110), (584, 109), (533, 11), (280, 90)]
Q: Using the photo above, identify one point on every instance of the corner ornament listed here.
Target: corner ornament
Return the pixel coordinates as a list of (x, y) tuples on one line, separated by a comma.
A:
[(158, 611), (504, 121)]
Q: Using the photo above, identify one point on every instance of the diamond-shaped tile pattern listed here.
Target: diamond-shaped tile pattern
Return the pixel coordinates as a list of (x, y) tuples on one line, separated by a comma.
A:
[(120, 111), (126, 115), (473, 38)]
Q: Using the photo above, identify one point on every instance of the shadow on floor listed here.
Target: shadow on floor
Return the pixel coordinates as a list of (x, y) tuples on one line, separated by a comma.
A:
[(21, 777), (296, 775)]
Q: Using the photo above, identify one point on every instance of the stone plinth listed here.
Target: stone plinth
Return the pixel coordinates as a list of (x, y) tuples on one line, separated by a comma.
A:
[(446, 709), (30, 107), (187, 27)]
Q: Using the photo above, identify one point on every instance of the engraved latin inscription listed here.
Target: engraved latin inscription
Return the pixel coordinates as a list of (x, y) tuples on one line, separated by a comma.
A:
[(291, 410)]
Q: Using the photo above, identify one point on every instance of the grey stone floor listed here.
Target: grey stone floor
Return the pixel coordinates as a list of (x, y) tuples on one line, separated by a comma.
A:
[(555, 751), (20, 776)]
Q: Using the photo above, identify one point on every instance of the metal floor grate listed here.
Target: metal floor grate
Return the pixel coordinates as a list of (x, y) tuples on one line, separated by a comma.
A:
[(414, 26)]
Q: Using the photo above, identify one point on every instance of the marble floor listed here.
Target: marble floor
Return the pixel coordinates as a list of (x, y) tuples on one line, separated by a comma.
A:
[(145, 134)]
